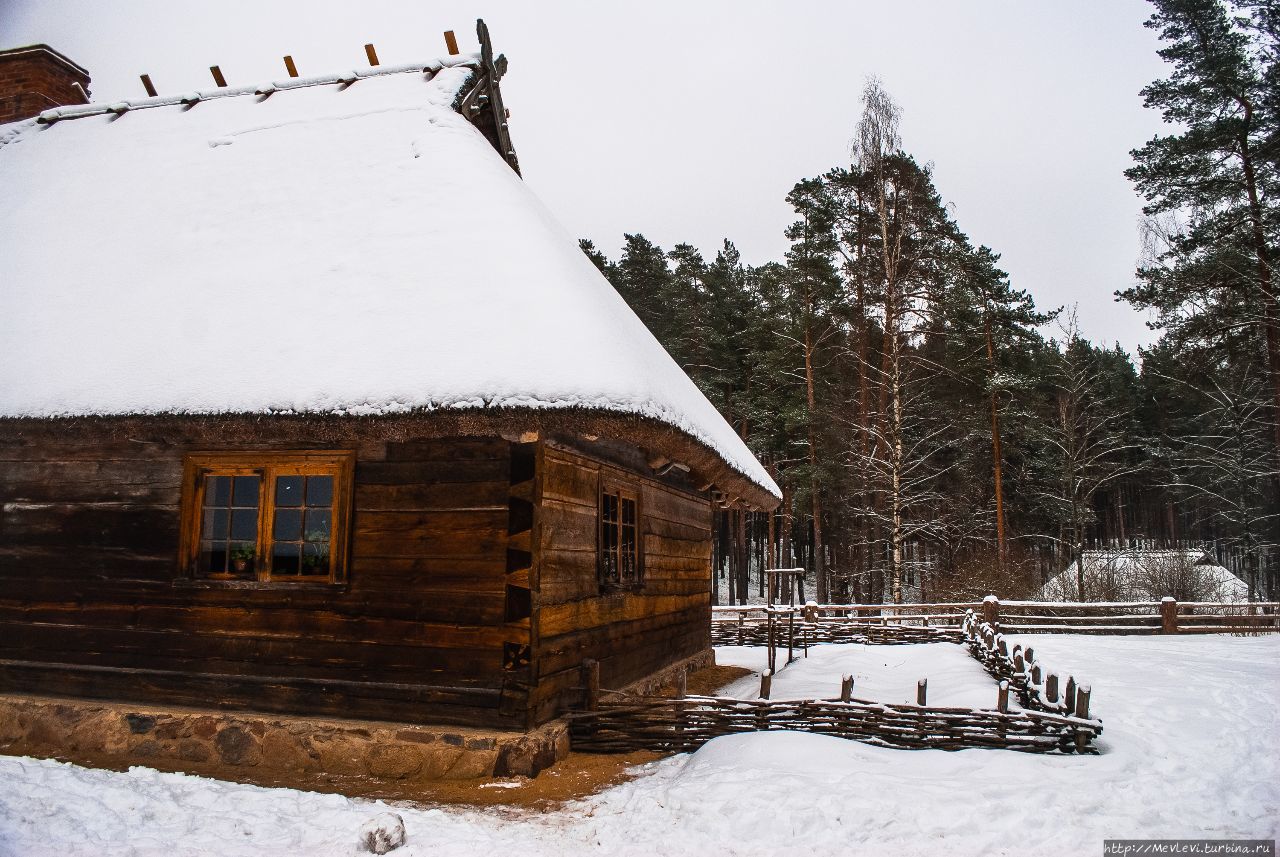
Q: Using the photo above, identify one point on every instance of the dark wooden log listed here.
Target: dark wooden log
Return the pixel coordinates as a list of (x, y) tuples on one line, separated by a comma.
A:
[(591, 682), (1168, 616)]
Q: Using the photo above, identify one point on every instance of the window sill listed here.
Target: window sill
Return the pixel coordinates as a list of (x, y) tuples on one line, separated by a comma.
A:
[(273, 585), (621, 589)]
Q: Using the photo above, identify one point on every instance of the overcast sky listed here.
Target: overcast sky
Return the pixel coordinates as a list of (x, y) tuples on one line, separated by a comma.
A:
[(690, 121)]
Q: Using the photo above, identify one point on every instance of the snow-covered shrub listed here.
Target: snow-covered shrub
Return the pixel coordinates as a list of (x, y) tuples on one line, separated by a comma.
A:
[(382, 833), (1176, 575)]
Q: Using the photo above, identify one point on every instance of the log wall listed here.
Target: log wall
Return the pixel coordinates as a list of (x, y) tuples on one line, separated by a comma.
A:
[(90, 606), (632, 633)]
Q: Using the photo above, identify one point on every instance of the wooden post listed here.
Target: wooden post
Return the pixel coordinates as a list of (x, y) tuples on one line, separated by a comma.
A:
[(290, 67), (1030, 656), (1036, 674), (591, 681), (991, 611), (1002, 698), (371, 54), (1051, 689), (1069, 699), (1168, 615), (451, 43), (846, 688), (741, 616), (217, 75), (682, 683), (1082, 711), (766, 683), (922, 691), (1082, 702), (1019, 665), (148, 86), (1003, 648)]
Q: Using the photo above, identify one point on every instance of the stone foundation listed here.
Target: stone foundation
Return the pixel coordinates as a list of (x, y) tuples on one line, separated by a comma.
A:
[(268, 748), (650, 685)]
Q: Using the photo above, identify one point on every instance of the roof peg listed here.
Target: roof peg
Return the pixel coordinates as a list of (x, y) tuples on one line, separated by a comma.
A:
[(371, 54), (290, 67), (217, 75), (451, 42), (149, 86)]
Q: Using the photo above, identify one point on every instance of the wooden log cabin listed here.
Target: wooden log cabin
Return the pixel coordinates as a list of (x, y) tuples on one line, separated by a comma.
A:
[(308, 405)]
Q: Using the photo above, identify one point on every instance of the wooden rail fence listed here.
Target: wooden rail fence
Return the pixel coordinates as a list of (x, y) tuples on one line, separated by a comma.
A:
[(891, 624)]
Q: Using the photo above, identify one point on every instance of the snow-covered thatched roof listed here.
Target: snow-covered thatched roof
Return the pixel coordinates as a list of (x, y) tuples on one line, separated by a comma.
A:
[(349, 244), (1143, 574)]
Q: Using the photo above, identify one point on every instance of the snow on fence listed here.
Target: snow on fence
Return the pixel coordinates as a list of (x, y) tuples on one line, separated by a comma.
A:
[(683, 724), (1018, 670), (919, 623)]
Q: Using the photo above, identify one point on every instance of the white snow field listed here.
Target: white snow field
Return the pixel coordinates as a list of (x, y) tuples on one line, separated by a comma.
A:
[(880, 673), (1189, 751)]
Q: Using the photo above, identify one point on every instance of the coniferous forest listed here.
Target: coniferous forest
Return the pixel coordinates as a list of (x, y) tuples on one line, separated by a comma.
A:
[(938, 435)]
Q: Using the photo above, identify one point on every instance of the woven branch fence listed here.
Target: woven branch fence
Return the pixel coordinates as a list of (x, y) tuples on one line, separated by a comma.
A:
[(1018, 670), (681, 725)]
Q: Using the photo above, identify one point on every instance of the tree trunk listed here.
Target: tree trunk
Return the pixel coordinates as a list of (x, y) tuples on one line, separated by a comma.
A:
[(996, 456), (819, 569)]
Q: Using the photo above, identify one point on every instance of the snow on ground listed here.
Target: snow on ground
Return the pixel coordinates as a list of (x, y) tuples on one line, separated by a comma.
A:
[(880, 673), (1189, 752)]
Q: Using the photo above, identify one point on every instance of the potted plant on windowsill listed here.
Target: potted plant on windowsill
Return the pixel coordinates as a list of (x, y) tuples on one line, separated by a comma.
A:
[(242, 559), (315, 559)]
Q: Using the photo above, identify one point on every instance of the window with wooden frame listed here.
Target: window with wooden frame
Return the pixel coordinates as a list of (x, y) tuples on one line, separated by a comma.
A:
[(267, 518), (621, 563)]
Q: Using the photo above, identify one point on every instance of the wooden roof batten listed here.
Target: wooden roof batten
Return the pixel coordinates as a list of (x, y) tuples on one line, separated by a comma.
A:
[(481, 104)]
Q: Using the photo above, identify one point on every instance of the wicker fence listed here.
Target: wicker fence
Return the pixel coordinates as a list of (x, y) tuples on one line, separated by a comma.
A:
[(681, 725)]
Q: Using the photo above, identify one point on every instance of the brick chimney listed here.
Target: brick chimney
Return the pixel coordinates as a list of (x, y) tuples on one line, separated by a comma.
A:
[(35, 78)]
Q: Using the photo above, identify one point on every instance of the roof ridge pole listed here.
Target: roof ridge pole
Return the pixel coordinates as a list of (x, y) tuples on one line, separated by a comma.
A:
[(495, 69)]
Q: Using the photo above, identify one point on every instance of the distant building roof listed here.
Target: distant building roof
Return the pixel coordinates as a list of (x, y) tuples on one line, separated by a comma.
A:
[(343, 244)]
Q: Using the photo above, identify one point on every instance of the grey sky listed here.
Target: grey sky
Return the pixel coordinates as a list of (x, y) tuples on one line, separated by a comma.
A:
[(690, 121)]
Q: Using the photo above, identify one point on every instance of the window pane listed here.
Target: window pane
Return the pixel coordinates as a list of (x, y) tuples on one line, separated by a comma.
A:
[(315, 558), (216, 523), (288, 525), (609, 507), (213, 557), (317, 529), (628, 511), (289, 490), (285, 559), (217, 491), (320, 491), (244, 525), (245, 492)]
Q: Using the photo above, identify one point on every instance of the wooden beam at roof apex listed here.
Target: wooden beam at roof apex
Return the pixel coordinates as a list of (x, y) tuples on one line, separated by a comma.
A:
[(451, 43), (148, 85), (371, 54), (217, 75), (289, 66)]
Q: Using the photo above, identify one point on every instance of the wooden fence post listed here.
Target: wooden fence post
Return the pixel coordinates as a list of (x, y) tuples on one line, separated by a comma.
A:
[(922, 691), (1082, 711), (1051, 689), (1002, 699), (1168, 615), (846, 688), (766, 683), (1069, 699), (682, 683), (591, 681), (991, 611)]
